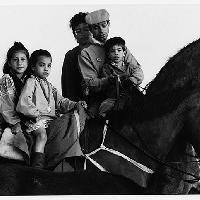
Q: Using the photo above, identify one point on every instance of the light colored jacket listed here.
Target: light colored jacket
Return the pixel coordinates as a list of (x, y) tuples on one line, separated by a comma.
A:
[(8, 100), (32, 101), (91, 60)]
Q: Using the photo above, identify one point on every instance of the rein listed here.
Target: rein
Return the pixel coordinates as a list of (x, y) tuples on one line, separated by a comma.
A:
[(150, 155), (153, 157)]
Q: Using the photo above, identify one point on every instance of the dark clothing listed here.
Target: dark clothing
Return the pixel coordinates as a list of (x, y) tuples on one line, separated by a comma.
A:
[(71, 77), (127, 71), (63, 139), (90, 62)]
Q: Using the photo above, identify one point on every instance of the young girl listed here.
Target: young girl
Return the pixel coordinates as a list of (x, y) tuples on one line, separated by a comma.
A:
[(15, 73), (115, 68), (39, 102)]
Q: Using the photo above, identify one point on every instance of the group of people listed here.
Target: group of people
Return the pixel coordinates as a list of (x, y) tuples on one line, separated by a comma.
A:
[(96, 63), (31, 107)]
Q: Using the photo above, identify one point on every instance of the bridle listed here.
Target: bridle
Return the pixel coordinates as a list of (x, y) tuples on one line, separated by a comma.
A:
[(153, 157), (147, 149)]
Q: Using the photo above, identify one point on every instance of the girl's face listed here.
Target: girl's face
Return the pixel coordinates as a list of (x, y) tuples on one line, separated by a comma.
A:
[(116, 54), (19, 63), (42, 67)]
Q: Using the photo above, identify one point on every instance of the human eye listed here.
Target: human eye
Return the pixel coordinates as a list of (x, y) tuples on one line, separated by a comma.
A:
[(77, 31), (119, 50), (112, 51), (14, 59), (104, 24), (95, 27), (86, 30), (41, 64), (49, 66)]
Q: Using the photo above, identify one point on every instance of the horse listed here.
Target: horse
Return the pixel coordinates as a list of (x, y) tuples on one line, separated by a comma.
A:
[(150, 138), (140, 146)]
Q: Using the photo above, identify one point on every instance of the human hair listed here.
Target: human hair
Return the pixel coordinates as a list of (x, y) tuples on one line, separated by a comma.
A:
[(18, 46), (76, 20), (34, 56), (114, 41)]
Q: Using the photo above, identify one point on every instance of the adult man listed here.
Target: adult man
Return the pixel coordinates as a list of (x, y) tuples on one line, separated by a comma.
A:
[(71, 77), (92, 57)]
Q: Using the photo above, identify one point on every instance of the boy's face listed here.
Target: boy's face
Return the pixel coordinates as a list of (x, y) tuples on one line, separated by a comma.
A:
[(116, 54), (19, 62), (82, 33), (100, 31), (42, 67)]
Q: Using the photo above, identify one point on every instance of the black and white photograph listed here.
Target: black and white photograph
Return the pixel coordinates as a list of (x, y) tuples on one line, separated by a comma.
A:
[(99, 98)]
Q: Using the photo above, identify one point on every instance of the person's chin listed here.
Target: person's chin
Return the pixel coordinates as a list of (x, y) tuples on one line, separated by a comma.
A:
[(102, 39), (20, 71), (44, 76)]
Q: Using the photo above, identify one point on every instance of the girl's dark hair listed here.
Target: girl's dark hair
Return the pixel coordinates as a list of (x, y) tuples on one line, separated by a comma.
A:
[(18, 46), (34, 56), (76, 20), (114, 41)]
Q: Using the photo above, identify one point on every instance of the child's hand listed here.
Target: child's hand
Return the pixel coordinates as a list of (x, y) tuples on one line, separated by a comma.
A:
[(83, 104), (16, 128), (80, 104)]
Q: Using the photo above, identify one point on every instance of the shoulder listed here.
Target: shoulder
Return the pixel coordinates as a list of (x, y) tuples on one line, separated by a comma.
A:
[(6, 81), (32, 80), (73, 51), (91, 48), (7, 85), (133, 66)]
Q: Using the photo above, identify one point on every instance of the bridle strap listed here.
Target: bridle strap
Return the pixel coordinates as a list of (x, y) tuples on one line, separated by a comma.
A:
[(153, 157)]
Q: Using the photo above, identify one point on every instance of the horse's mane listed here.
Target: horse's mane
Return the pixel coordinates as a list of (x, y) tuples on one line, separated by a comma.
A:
[(180, 70), (178, 79)]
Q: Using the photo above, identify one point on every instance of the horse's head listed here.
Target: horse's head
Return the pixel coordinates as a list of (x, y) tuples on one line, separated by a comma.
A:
[(170, 104), (179, 82)]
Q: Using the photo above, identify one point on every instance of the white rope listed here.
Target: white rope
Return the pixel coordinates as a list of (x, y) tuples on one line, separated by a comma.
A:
[(139, 165), (77, 122), (96, 164), (102, 147), (105, 131), (93, 152)]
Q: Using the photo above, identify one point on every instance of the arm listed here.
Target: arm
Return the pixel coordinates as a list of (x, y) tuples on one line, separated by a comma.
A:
[(63, 76), (25, 104), (90, 73), (7, 101), (63, 105), (137, 73), (66, 72)]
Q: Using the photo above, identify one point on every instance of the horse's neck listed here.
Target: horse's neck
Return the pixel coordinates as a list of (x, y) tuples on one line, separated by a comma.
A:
[(155, 132)]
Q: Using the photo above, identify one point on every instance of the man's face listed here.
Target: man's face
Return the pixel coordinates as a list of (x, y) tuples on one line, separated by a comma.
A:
[(100, 31), (82, 33)]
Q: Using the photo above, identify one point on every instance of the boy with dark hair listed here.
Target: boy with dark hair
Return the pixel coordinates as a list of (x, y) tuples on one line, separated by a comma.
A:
[(116, 67), (71, 78)]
